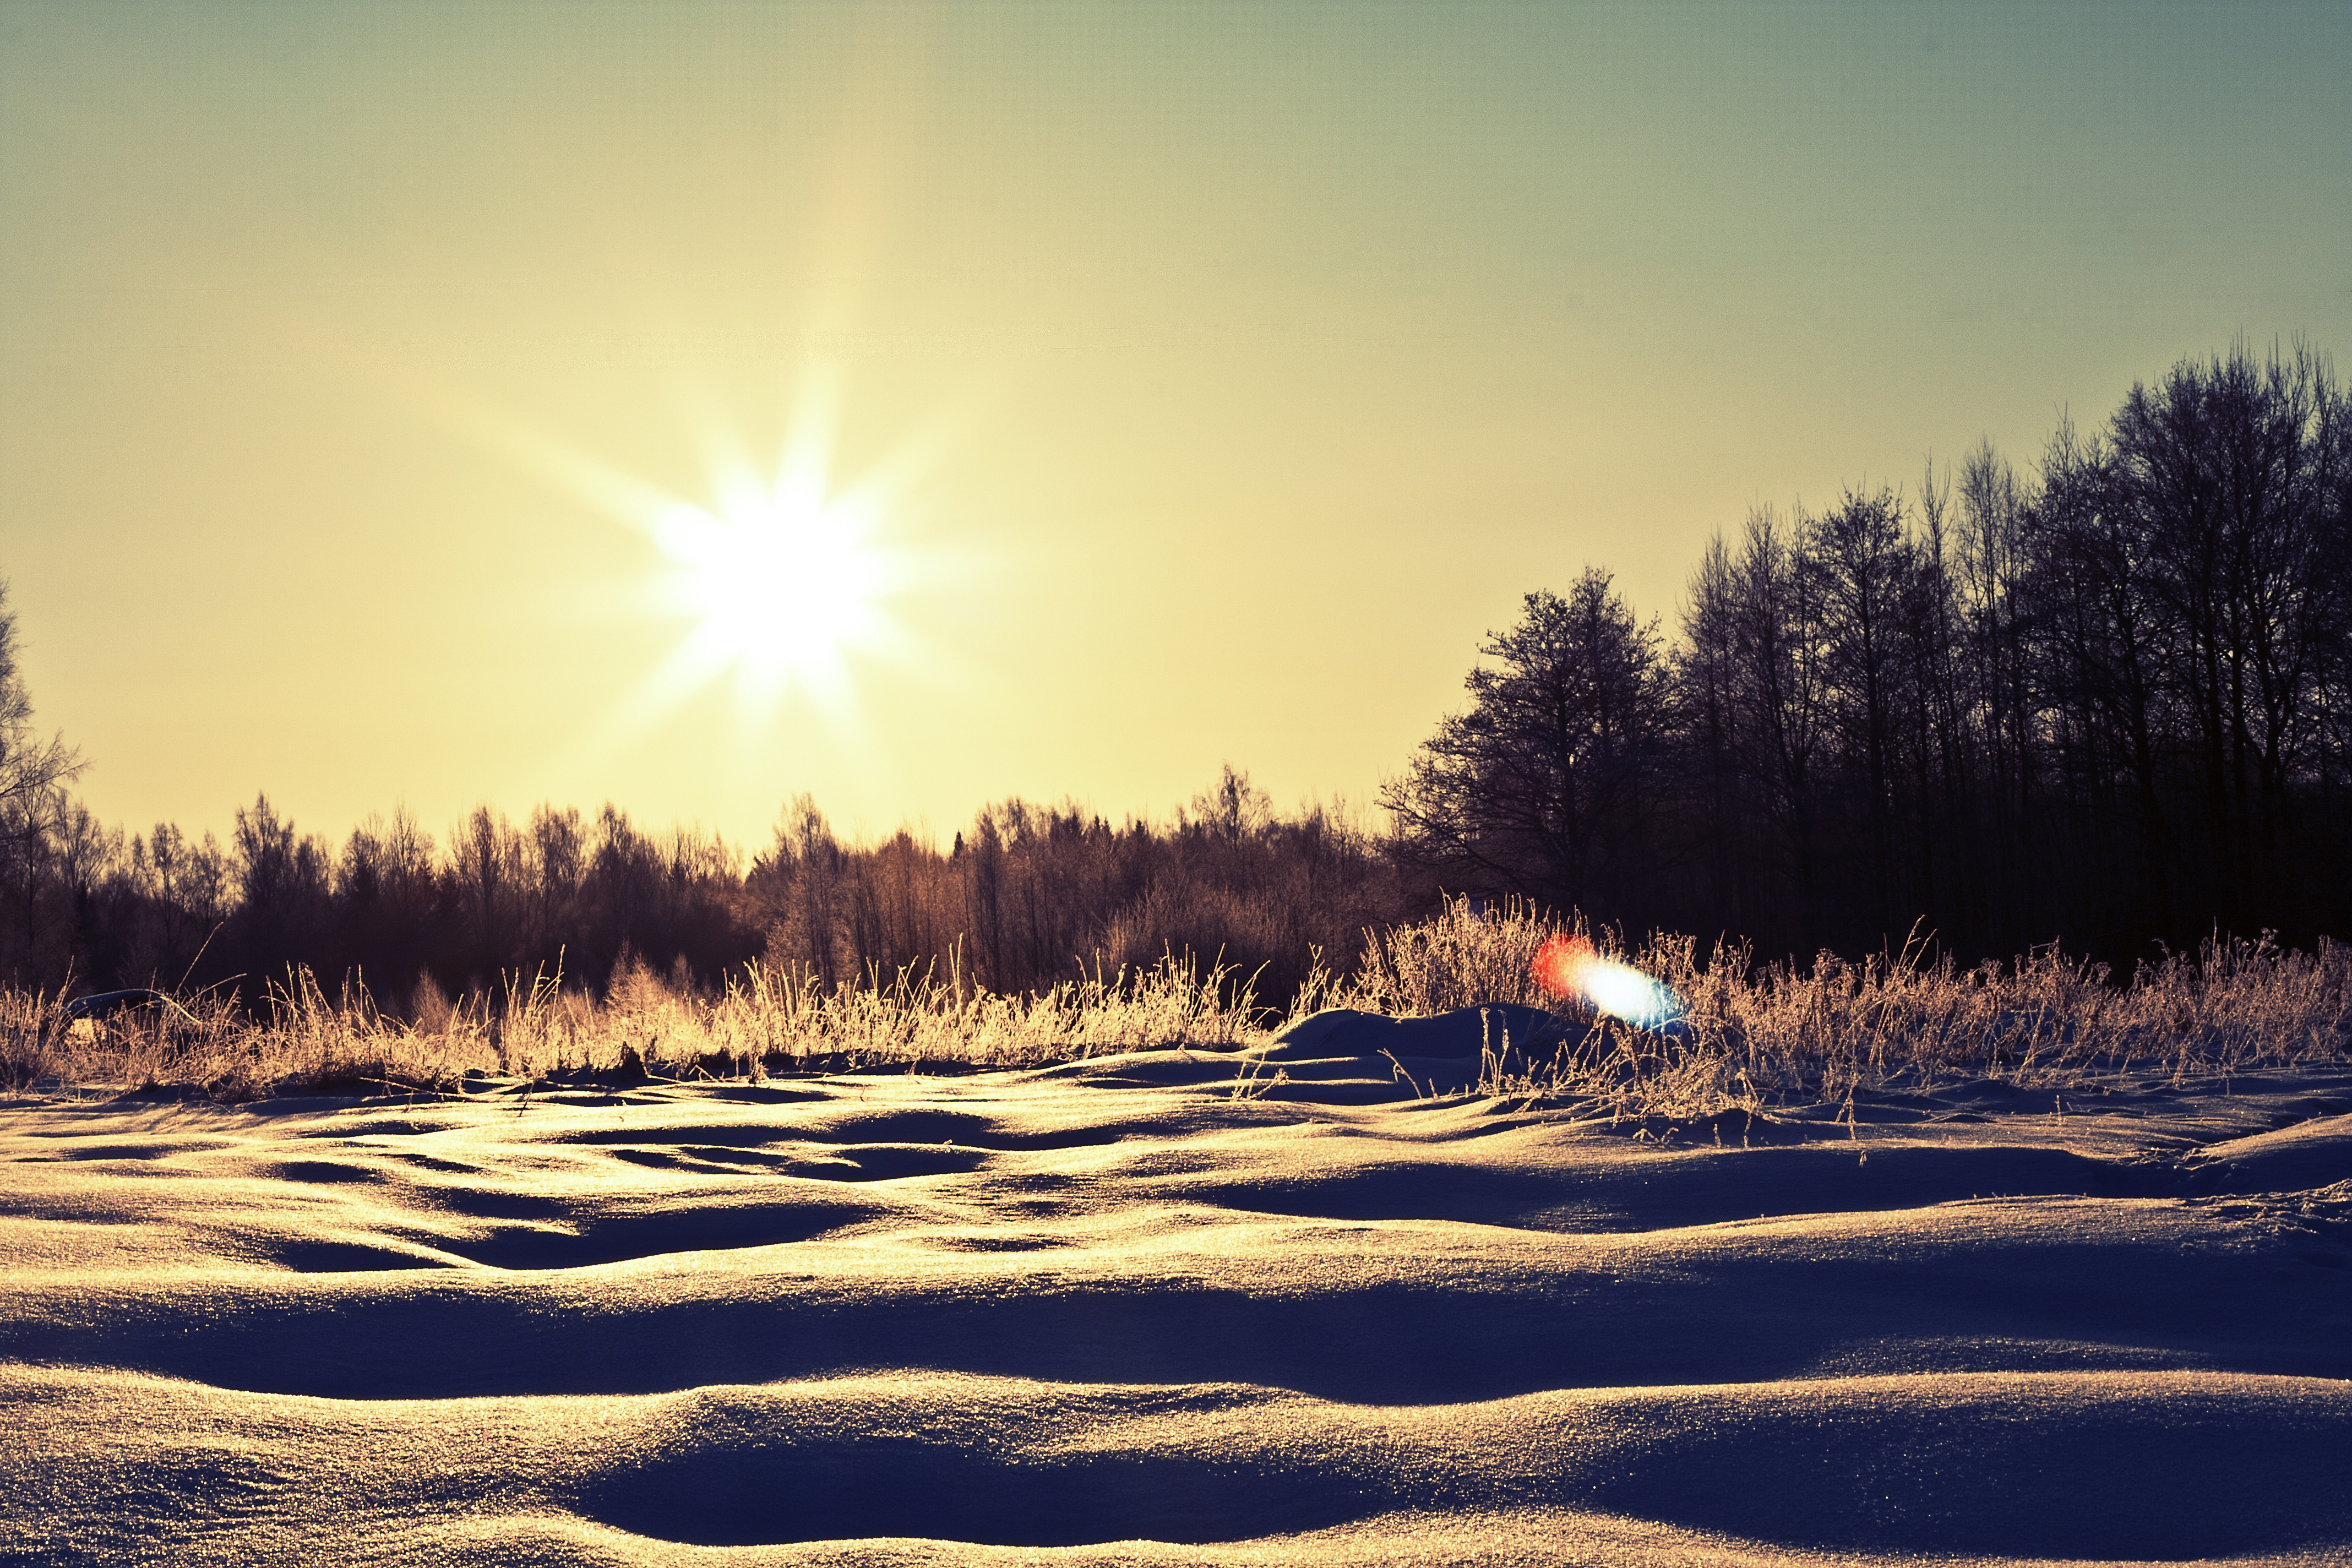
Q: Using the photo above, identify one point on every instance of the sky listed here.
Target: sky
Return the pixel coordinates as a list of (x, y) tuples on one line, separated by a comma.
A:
[(694, 406)]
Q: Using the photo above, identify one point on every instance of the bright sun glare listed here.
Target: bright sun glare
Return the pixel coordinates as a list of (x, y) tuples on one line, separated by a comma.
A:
[(780, 584), (780, 581)]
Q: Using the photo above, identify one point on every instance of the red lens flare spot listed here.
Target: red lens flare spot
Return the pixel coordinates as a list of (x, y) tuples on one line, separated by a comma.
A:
[(1561, 963)]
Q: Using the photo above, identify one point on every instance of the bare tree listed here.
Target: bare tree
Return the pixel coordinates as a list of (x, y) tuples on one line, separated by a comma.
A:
[(1864, 564), (1545, 785), (2104, 654), (1705, 696), (1235, 811), (284, 882), (799, 883), (32, 771), (2232, 472), (1782, 706)]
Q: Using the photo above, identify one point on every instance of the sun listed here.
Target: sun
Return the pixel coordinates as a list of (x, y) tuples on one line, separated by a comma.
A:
[(783, 579), (778, 584)]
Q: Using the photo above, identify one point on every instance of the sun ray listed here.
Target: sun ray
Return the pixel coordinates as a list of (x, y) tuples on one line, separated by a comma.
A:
[(782, 582)]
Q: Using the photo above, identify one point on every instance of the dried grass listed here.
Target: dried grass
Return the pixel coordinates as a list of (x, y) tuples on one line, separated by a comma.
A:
[(767, 1021), (1754, 1035), (1749, 1035)]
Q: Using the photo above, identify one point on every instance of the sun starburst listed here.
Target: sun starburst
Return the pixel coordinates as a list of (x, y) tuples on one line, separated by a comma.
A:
[(779, 579)]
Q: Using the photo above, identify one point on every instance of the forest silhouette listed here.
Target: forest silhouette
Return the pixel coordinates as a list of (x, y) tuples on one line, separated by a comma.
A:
[(2105, 700)]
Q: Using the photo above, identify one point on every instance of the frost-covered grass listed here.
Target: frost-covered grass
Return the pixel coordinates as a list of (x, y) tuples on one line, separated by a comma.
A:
[(1749, 1034), (765, 1021)]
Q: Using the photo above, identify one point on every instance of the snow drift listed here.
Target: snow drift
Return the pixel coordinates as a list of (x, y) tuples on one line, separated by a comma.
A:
[(1307, 1303)]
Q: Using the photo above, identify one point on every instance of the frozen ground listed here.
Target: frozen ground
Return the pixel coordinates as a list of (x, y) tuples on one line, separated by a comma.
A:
[(1111, 1312)]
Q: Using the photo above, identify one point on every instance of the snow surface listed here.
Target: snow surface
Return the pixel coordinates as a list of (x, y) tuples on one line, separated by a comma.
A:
[(1167, 1307)]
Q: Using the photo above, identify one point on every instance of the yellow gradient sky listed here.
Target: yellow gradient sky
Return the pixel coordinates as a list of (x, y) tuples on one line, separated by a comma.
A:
[(1182, 383)]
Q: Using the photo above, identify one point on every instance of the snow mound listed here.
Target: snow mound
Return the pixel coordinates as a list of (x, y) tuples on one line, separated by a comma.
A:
[(1274, 1306)]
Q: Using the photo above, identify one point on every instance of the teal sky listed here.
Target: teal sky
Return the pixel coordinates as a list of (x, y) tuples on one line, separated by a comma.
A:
[(1204, 380)]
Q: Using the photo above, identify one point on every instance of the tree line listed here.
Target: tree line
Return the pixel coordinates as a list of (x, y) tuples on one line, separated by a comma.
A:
[(2103, 700), (1026, 896)]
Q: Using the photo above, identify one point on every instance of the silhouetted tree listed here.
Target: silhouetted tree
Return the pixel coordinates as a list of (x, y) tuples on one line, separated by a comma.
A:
[(1705, 672), (32, 771), (1780, 710), (2107, 699), (1864, 566), (2232, 472), (1235, 811), (1546, 783), (283, 898)]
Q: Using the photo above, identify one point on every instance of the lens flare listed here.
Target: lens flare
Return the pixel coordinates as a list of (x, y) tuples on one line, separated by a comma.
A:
[(1570, 966), (1560, 963)]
